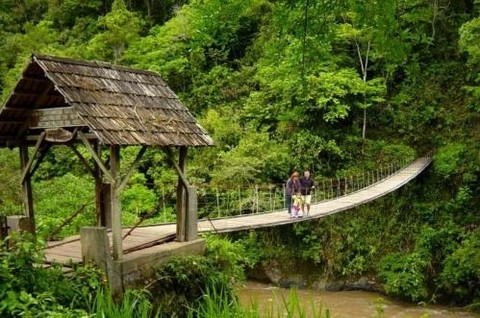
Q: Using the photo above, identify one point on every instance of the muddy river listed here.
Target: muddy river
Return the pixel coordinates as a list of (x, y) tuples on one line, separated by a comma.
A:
[(345, 303)]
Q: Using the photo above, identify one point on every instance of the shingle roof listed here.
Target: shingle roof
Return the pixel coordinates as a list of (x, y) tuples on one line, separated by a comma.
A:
[(120, 105)]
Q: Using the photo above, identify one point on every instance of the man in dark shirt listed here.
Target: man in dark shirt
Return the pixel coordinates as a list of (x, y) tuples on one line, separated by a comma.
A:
[(306, 186)]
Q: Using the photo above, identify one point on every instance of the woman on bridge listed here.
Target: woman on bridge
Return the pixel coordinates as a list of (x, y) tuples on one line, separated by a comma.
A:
[(292, 187)]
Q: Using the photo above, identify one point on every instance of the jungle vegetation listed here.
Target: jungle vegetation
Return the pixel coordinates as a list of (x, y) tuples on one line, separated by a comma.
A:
[(336, 86)]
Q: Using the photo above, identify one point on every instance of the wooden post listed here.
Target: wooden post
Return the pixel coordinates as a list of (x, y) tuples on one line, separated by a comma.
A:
[(181, 196), (103, 190), (191, 228), (3, 227), (27, 187), (99, 197), (115, 203), (107, 206)]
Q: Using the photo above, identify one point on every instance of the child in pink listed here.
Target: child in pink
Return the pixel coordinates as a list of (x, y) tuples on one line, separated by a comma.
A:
[(297, 205)]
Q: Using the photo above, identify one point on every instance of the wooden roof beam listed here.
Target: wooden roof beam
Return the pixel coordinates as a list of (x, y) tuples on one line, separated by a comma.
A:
[(180, 173), (95, 157), (26, 171), (88, 136), (30, 140), (134, 166), (43, 152), (83, 160)]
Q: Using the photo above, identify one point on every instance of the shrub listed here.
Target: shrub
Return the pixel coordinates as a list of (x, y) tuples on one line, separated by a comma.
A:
[(448, 160), (460, 276), (403, 276), (28, 289), (181, 283), (229, 257)]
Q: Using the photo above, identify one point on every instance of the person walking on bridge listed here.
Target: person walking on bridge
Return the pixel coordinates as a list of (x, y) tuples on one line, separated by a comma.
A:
[(306, 186), (292, 187)]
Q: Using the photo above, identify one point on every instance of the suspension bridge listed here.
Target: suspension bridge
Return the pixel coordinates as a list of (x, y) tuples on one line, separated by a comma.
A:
[(334, 196), (105, 108)]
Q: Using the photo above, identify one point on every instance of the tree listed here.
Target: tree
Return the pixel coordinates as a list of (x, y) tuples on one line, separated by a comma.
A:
[(368, 25), (121, 27), (469, 43)]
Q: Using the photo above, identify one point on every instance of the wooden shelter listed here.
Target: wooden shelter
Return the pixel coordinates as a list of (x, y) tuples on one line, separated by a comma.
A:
[(60, 101)]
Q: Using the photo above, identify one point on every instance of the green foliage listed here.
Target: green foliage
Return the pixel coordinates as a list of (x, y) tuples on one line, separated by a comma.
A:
[(404, 275), (17, 267), (60, 161), (181, 283), (251, 247), (41, 37), (333, 93), (223, 128), (137, 199), (448, 160), (468, 43), (219, 304), (53, 209), (294, 309), (230, 257), (461, 271), (468, 40), (436, 244), (382, 153), (308, 151), (30, 290), (243, 165), (134, 303), (10, 198), (68, 13), (121, 28)]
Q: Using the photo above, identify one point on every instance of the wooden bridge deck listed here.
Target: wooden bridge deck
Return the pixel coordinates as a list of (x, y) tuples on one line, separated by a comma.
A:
[(144, 238)]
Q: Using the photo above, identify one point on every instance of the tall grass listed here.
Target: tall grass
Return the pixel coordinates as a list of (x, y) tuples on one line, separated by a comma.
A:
[(134, 303), (290, 306), (216, 305)]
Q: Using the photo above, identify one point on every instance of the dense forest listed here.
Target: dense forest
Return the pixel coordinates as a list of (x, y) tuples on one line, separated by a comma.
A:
[(335, 86)]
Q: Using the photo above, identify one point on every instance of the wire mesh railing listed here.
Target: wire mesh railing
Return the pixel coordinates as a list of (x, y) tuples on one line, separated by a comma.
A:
[(217, 202)]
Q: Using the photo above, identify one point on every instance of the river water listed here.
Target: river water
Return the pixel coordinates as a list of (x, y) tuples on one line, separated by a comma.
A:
[(345, 304)]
